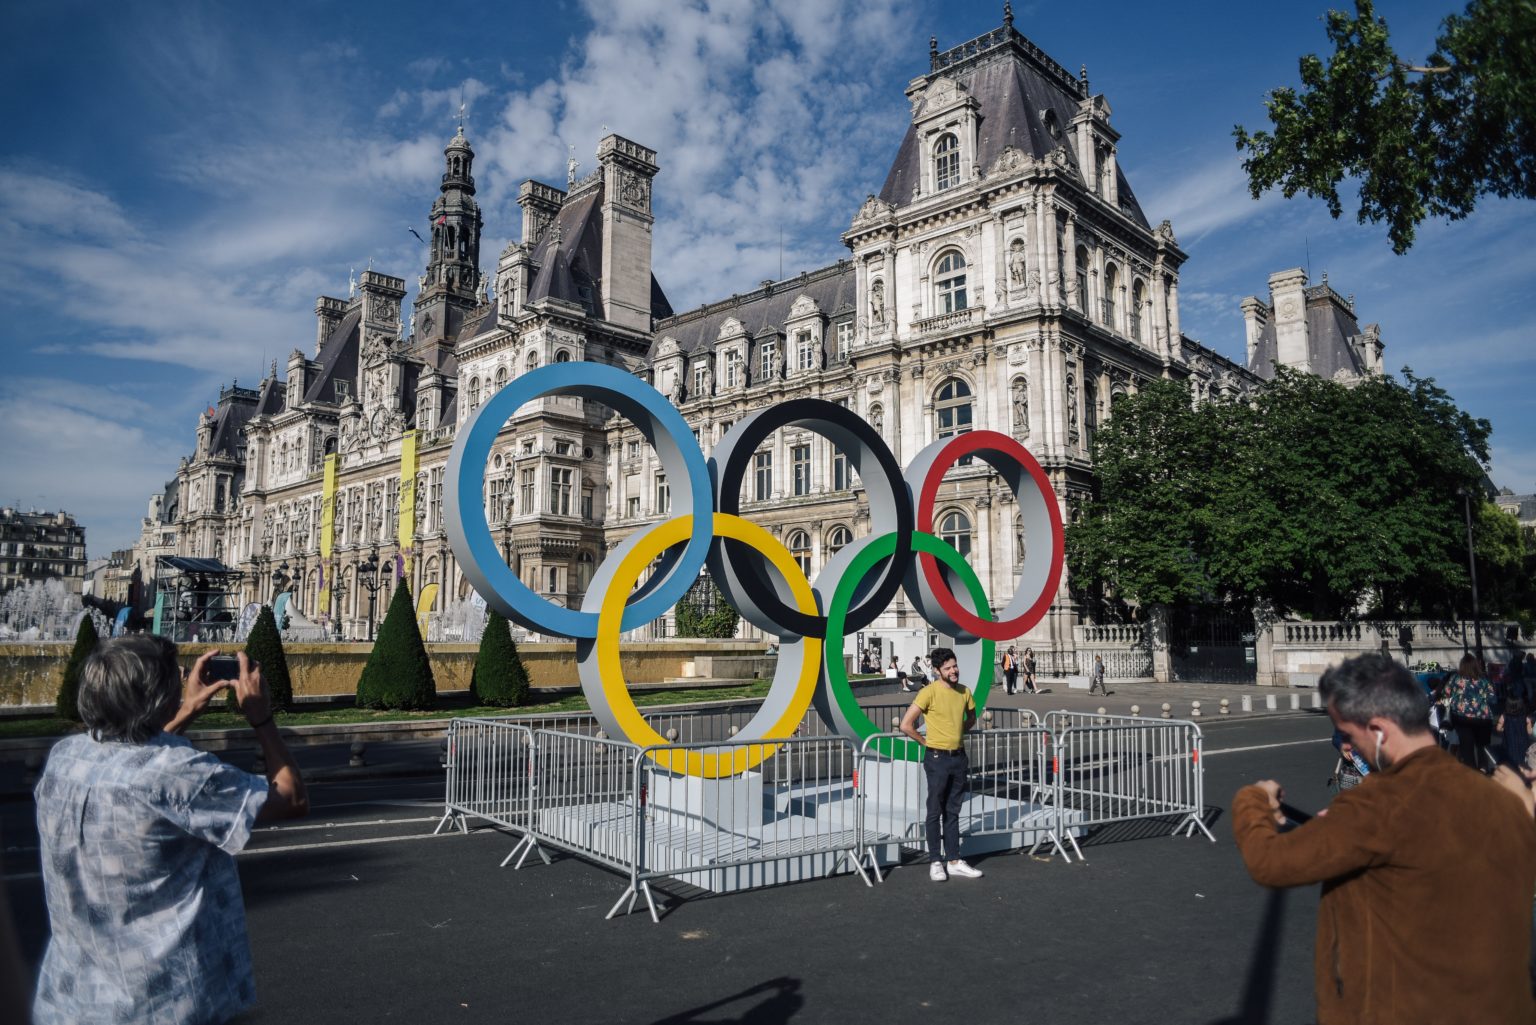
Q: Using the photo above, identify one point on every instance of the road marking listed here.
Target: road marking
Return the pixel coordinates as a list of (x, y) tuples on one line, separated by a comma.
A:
[(344, 843), (1265, 747), (269, 830)]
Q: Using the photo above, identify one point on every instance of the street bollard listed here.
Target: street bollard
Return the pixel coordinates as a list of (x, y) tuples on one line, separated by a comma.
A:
[(1247, 702), (1194, 709), (734, 730), (986, 719), (356, 760), (672, 734), (1102, 720), (1317, 700), (1226, 707), (1167, 710), (1270, 704), (1295, 702), (1136, 711)]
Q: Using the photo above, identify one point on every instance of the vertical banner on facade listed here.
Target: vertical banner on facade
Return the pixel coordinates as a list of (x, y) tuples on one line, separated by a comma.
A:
[(424, 606), (405, 537), (327, 528)]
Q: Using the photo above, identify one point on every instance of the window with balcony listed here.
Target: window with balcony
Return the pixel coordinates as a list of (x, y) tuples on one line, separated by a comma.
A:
[(946, 162), (949, 280)]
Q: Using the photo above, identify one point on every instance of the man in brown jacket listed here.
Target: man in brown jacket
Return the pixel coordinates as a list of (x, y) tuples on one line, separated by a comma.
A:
[(1427, 868)]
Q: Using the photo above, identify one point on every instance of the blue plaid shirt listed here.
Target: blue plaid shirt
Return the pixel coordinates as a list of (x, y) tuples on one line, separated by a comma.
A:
[(138, 844)]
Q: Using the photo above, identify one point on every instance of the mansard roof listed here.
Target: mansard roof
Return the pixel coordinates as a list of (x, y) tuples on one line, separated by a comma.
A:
[(273, 393), (1015, 83), (236, 407), (1331, 330), (170, 501), (765, 310), (338, 358), (569, 255)]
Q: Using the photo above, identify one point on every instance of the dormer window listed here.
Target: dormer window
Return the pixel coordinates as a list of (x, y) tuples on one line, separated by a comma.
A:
[(732, 368), (805, 351), (946, 162)]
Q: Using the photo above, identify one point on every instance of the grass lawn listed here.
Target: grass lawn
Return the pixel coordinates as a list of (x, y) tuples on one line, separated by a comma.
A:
[(217, 719)]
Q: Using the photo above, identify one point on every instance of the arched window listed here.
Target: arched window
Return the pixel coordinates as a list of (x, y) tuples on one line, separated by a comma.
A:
[(952, 408), (561, 356), (1138, 300), (1082, 278), (838, 539), (501, 378), (532, 362), (800, 550), (946, 162), (955, 529), (583, 571), (1112, 297), (474, 393), (949, 279)]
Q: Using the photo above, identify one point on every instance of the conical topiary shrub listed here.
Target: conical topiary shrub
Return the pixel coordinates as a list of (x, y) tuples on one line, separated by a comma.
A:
[(264, 644), (500, 678), (68, 702), (398, 673)]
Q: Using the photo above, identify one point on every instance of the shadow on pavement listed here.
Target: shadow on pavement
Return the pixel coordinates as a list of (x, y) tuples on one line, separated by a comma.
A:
[(779, 1000), (1259, 987)]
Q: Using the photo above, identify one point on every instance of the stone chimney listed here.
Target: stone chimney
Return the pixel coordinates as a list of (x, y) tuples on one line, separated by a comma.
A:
[(298, 380), (540, 204), (1288, 299), (328, 312), (1255, 316), (628, 169)]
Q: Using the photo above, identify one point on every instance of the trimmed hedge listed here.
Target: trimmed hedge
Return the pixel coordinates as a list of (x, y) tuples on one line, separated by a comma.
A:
[(500, 678), (264, 644), (86, 639), (398, 674)]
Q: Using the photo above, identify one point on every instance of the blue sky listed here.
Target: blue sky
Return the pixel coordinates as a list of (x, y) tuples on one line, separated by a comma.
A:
[(179, 181)]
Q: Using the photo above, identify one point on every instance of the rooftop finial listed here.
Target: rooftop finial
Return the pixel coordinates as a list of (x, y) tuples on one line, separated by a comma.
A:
[(1082, 76), (461, 110), (1008, 15), (570, 168), (933, 51)]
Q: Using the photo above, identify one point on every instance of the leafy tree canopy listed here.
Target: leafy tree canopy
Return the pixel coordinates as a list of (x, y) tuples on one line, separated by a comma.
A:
[(1316, 497), (1424, 139), (704, 612)]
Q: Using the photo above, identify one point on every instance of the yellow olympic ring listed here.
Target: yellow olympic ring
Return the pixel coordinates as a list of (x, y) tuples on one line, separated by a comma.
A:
[(783, 716)]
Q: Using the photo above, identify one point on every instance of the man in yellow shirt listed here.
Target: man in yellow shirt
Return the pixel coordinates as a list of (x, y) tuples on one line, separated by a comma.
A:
[(949, 711)]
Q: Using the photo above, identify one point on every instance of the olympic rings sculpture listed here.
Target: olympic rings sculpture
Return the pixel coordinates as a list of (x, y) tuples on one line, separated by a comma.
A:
[(752, 568)]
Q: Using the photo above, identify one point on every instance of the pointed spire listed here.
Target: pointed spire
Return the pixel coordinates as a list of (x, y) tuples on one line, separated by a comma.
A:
[(1008, 15), (1082, 76), (933, 52)]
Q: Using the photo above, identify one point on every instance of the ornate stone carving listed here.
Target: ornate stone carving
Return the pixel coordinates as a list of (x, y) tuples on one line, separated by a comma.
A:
[(634, 190), (1020, 404), (873, 209), (1016, 265), (877, 302)]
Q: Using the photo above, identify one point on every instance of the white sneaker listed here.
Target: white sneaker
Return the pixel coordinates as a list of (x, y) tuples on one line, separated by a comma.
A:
[(960, 868), (936, 871)]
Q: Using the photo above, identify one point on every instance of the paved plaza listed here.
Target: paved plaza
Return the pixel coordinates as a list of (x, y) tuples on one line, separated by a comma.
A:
[(359, 914)]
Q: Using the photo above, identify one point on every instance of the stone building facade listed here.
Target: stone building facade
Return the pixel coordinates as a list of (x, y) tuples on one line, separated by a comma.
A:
[(41, 546), (1005, 277)]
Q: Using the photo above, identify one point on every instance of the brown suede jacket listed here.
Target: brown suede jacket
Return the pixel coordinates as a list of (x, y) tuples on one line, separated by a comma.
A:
[(1428, 869)]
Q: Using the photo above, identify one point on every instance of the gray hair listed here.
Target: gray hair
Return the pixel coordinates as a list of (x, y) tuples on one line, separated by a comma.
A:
[(1373, 685), (129, 688)]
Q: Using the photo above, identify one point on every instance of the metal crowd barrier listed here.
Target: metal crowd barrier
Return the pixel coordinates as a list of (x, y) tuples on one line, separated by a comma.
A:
[(1010, 801), (791, 816), (1131, 769), (489, 774)]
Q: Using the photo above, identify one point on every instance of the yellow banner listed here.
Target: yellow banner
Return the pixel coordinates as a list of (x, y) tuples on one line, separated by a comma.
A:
[(327, 528), (405, 536), (424, 607)]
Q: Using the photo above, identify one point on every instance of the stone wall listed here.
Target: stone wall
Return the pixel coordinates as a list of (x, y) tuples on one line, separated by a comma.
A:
[(30, 674), (1295, 654)]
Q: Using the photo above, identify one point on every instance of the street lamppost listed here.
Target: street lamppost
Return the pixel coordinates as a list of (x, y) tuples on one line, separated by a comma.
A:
[(339, 600), (280, 580), (369, 576), (1477, 619)]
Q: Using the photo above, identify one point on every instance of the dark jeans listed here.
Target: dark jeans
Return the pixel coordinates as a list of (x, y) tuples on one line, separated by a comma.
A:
[(1471, 736), (1011, 680), (946, 772)]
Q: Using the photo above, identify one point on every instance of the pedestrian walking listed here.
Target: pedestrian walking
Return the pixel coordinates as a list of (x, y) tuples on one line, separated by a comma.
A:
[(1011, 669), (1472, 708), (948, 711), (1427, 870), (1096, 676), (1029, 671)]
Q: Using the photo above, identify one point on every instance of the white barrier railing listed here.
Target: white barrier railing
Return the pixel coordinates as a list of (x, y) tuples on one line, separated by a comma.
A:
[(1131, 769), (806, 804)]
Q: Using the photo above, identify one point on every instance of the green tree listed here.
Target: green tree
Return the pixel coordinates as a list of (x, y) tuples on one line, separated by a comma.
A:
[(1425, 139), (704, 612), (68, 703), (1146, 537), (1315, 497), (499, 678), (265, 645), (398, 674)]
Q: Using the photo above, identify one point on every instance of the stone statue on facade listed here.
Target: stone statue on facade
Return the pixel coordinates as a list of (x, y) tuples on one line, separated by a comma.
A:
[(1072, 432), (1016, 268), (1020, 404), (877, 304)]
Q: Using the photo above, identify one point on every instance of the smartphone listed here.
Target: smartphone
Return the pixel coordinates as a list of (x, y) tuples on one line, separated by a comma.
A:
[(223, 667), (1295, 814)]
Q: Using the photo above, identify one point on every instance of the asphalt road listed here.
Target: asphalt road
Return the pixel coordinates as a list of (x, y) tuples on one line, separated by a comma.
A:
[(359, 914)]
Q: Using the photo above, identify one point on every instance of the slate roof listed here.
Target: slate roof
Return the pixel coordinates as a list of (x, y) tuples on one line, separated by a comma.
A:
[(1331, 328), (765, 310), (338, 358), (1014, 83), (570, 254), (170, 502), (273, 393), (233, 411)]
